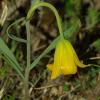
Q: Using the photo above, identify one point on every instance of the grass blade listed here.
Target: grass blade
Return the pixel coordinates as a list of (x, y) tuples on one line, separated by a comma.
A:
[(10, 58)]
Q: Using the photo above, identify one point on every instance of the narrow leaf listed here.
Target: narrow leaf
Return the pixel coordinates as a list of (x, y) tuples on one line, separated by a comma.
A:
[(9, 57)]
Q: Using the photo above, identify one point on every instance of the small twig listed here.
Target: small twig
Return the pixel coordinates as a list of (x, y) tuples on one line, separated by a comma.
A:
[(48, 86), (94, 58), (4, 13)]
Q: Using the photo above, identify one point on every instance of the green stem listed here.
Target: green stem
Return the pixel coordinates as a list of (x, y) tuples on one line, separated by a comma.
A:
[(34, 7), (27, 70)]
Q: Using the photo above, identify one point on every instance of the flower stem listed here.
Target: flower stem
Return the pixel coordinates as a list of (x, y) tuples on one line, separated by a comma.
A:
[(27, 70), (34, 7), (30, 12)]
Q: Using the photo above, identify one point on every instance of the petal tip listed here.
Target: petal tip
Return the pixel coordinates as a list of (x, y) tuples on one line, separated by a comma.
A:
[(50, 67)]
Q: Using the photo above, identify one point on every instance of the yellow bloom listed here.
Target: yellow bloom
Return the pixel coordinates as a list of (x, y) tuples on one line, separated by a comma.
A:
[(65, 60)]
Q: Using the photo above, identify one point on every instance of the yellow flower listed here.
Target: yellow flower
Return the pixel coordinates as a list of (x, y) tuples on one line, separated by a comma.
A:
[(65, 60)]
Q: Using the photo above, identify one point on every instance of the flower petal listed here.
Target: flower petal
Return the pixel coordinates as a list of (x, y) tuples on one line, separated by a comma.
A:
[(50, 67), (55, 73), (58, 55), (76, 59), (67, 70), (68, 64)]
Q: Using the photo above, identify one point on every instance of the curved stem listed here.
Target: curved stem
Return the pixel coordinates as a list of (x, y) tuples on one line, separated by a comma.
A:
[(15, 37), (34, 7)]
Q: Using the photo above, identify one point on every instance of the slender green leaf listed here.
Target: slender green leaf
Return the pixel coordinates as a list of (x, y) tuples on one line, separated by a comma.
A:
[(9, 57)]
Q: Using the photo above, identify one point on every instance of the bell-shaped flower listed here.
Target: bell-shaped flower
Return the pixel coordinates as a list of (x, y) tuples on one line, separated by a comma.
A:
[(65, 60)]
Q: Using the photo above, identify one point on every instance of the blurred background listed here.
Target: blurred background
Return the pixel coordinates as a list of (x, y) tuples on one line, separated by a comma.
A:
[(82, 19)]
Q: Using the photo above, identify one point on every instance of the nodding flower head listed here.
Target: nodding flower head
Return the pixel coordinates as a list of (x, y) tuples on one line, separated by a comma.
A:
[(65, 60)]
